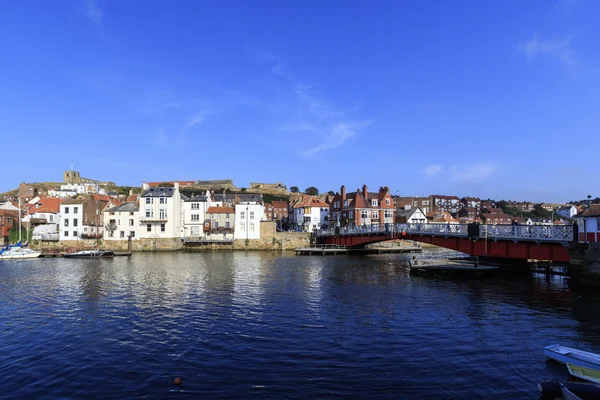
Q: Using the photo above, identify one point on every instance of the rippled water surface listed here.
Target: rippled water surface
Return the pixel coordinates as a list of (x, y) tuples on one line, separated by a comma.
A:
[(262, 325)]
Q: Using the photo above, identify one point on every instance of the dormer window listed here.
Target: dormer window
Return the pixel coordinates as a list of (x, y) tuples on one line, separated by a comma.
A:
[(374, 203)]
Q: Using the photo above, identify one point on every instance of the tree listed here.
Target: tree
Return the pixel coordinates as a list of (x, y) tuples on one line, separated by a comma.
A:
[(313, 191), (331, 193), (294, 189), (243, 190)]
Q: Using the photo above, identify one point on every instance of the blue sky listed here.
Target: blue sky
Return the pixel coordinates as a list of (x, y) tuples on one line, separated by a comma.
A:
[(487, 98)]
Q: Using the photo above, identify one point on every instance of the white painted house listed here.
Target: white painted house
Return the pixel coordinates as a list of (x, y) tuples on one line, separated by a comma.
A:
[(122, 222), (194, 215), (588, 224), (311, 213), (161, 212), (568, 211), (71, 212), (247, 220), (411, 216), (63, 194)]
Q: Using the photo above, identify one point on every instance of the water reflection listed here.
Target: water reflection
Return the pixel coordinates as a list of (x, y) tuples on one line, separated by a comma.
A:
[(251, 324)]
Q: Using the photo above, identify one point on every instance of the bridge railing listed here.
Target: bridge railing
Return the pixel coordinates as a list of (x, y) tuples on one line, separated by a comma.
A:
[(552, 233)]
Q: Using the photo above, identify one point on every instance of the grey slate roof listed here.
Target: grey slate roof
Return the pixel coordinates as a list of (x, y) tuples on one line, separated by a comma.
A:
[(159, 192), (197, 198), (406, 213), (129, 206)]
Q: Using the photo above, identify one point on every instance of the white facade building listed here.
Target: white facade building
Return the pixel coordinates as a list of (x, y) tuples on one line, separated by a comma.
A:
[(161, 212), (567, 211), (411, 216), (71, 212), (311, 213), (81, 188), (63, 194), (247, 220), (122, 222), (194, 215)]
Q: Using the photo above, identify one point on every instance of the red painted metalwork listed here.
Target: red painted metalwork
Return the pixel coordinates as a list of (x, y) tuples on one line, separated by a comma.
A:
[(482, 247)]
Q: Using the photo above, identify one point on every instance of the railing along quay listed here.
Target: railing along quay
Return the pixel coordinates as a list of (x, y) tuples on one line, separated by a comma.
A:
[(537, 233)]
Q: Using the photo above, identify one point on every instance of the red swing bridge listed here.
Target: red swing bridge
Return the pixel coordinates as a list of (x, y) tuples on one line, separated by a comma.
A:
[(523, 242)]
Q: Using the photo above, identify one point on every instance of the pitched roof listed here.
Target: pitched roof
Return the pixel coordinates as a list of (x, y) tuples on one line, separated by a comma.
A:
[(495, 216), (159, 192), (279, 204), (101, 197), (407, 213), (492, 210), (220, 210), (132, 197), (311, 201), (45, 205), (200, 198), (440, 216), (125, 207), (592, 211), (72, 201)]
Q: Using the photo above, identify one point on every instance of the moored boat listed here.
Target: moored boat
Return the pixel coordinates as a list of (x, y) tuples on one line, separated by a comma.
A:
[(587, 374), (91, 254), (569, 390), (18, 252), (567, 355)]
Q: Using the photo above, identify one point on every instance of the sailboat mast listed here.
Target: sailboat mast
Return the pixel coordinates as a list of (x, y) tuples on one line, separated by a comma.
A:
[(19, 217)]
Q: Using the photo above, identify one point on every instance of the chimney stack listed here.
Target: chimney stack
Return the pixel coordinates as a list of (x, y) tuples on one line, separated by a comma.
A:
[(343, 193), (365, 192)]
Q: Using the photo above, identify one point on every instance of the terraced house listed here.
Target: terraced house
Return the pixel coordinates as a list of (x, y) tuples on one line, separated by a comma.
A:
[(160, 212), (361, 207)]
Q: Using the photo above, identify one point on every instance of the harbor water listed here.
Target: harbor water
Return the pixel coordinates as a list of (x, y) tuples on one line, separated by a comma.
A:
[(275, 326)]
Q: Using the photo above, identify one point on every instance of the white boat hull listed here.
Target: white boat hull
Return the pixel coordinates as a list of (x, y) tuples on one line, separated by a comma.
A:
[(567, 355), (20, 255)]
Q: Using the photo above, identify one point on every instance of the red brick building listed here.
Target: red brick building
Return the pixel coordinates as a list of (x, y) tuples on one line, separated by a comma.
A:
[(496, 219), (467, 215), (362, 207), (8, 220)]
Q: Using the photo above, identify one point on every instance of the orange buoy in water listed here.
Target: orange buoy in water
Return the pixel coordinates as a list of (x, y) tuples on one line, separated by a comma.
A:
[(177, 381)]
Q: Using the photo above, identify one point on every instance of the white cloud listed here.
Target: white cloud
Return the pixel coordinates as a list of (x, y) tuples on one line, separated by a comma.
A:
[(558, 48), (336, 136), (432, 170), (91, 10), (329, 125), (472, 174)]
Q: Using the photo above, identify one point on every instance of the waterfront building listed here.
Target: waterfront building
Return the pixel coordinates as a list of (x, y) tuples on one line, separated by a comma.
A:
[(194, 215), (362, 207), (471, 202), (467, 215), (44, 210), (219, 224), (496, 219), (247, 220), (160, 212), (122, 222), (441, 217), (311, 213), (588, 224), (72, 219), (407, 202)]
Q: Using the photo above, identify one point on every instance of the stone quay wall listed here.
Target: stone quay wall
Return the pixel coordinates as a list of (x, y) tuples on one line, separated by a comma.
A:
[(270, 240)]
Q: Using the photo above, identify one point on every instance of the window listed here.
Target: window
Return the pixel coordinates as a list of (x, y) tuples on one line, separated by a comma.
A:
[(364, 214), (242, 215), (163, 214), (374, 202), (148, 227), (75, 222), (130, 222), (162, 227), (306, 219), (91, 229), (387, 202), (227, 215), (66, 222), (148, 200), (51, 218), (351, 214), (74, 233), (132, 233), (112, 222), (195, 217), (345, 203), (195, 230), (111, 213), (110, 234), (388, 214), (243, 227), (162, 200), (227, 225), (131, 213), (375, 214), (149, 213), (122, 234), (251, 214), (195, 206), (251, 226), (75, 210), (85, 229), (66, 233), (215, 225), (66, 210)]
